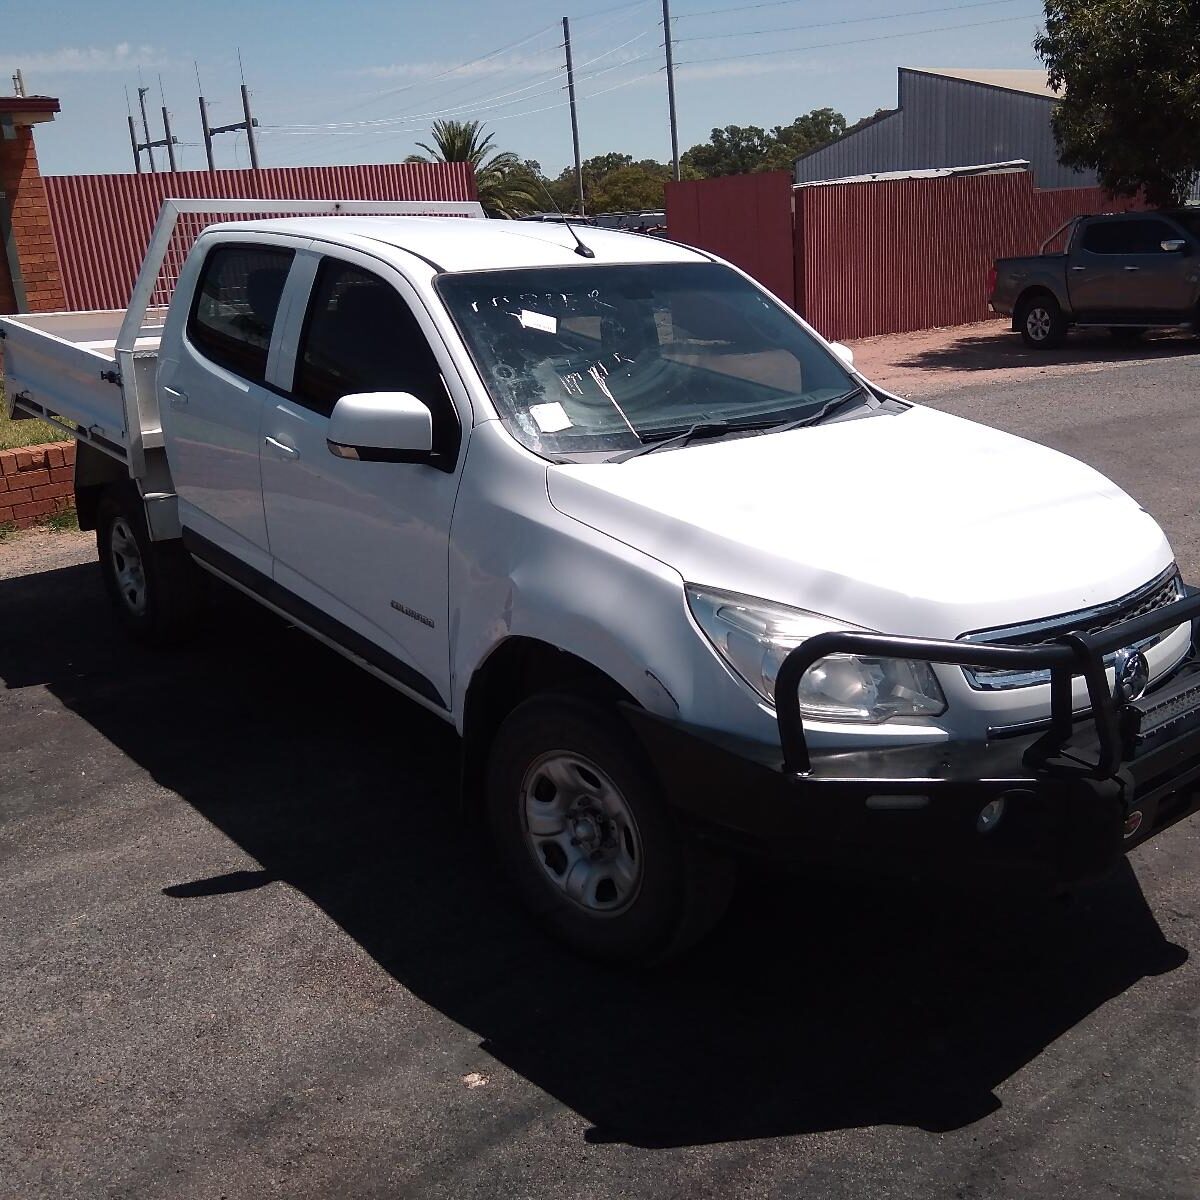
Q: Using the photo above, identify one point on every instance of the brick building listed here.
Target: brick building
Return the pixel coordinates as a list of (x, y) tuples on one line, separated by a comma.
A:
[(30, 279)]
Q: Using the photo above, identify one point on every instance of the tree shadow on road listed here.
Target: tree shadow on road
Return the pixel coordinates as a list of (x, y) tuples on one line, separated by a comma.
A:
[(1001, 349), (815, 1006)]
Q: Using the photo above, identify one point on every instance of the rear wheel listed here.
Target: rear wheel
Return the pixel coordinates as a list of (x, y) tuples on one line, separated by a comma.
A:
[(1041, 322), (586, 839), (155, 587)]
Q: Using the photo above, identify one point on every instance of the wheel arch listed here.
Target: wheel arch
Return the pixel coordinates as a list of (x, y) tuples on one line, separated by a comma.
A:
[(516, 669), (95, 473), (1031, 292)]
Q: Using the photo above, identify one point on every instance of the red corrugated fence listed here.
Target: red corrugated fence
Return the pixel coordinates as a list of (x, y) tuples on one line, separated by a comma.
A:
[(914, 253), (746, 219), (102, 223), (880, 257)]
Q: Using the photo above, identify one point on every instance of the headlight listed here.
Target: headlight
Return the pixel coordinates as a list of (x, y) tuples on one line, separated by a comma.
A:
[(755, 636)]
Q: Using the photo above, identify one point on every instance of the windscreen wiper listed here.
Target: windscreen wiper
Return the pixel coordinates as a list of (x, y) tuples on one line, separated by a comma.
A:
[(827, 410), (702, 429)]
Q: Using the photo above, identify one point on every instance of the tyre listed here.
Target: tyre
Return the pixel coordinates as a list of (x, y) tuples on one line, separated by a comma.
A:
[(1041, 322), (587, 841), (155, 587), (1126, 335)]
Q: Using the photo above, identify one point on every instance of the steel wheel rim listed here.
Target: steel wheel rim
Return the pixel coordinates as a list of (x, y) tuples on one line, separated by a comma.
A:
[(128, 568), (581, 833), (1038, 324)]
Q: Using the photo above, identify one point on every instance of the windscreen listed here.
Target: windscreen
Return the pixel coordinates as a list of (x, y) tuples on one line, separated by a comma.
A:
[(605, 358)]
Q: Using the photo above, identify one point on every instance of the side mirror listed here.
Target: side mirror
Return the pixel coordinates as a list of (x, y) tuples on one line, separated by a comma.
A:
[(381, 427), (1173, 245), (843, 352)]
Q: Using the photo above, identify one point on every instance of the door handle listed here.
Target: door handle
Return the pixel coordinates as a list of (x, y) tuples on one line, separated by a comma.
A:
[(1079, 268), (282, 450), (175, 398), (1130, 268)]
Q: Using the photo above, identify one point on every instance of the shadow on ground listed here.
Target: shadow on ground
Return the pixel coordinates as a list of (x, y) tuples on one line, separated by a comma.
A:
[(1000, 348), (814, 1007)]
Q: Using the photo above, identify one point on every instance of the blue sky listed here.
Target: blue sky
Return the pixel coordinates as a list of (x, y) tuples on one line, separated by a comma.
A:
[(360, 80)]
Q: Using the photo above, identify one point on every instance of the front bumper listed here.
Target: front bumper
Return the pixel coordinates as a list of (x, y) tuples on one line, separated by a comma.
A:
[(1077, 794)]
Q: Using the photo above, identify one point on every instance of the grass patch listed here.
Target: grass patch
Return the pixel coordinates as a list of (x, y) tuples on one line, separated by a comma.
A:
[(66, 521), (16, 434)]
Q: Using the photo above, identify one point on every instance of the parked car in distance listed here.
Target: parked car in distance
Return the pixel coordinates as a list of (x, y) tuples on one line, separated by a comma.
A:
[(689, 587), (1126, 272)]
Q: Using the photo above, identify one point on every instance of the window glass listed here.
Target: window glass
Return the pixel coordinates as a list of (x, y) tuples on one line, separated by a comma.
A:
[(236, 303), (1127, 237), (600, 359), (360, 336), (1190, 221)]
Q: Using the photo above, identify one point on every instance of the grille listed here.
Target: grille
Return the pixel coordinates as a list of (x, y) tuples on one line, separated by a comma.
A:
[(1158, 593)]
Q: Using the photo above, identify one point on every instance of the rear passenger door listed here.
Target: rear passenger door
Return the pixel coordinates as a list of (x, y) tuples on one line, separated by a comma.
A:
[(211, 392), (361, 548), (1120, 272)]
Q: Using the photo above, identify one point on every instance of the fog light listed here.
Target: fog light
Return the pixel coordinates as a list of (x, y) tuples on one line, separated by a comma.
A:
[(989, 816)]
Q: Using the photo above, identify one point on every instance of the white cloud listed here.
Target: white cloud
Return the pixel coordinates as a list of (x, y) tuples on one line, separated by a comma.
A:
[(516, 64), (80, 59)]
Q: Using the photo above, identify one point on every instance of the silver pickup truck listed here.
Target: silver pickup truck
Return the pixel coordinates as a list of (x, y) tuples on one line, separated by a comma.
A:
[(1126, 272)]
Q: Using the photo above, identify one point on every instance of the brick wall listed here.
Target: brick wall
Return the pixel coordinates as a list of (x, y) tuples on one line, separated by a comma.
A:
[(22, 182), (36, 482)]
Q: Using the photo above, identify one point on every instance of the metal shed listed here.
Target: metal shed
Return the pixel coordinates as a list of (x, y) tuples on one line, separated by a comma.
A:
[(950, 117)]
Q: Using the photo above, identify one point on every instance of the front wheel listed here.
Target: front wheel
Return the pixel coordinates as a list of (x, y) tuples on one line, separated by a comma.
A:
[(1042, 323), (155, 587), (586, 839)]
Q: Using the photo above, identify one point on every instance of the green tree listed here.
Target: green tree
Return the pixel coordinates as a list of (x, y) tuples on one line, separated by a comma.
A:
[(1129, 71), (506, 186), (803, 135), (734, 150), (741, 149), (638, 185), (611, 183)]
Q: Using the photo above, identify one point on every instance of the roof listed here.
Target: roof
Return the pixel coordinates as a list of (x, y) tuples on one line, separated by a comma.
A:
[(1031, 82), (1008, 167), (28, 110), (458, 244)]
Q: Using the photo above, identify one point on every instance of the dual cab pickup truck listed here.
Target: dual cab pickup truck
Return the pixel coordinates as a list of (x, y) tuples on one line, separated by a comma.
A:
[(1128, 272), (688, 585)]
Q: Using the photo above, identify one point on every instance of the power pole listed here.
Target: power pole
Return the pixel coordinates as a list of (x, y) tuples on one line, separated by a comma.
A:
[(146, 128), (250, 124), (168, 138), (671, 88), (574, 115), (169, 141), (137, 155), (207, 134)]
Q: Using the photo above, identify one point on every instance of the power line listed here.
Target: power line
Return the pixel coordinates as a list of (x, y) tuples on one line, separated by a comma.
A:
[(912, 12), (852, 42), (408, 124), (478, 105)]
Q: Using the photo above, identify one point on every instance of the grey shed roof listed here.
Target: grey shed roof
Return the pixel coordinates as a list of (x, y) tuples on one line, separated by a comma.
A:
[(1033, 83)]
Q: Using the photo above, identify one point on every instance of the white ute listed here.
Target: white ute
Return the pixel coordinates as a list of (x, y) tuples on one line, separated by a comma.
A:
[(689, 587)]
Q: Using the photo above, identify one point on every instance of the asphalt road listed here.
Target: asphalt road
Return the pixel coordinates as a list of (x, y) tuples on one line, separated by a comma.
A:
[(246, 950)]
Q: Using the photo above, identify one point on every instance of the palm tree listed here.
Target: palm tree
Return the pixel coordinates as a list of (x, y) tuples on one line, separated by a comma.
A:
[(505, 184)]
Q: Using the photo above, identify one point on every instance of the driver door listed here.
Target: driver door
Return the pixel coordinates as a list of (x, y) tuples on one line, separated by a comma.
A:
[(364, 544)]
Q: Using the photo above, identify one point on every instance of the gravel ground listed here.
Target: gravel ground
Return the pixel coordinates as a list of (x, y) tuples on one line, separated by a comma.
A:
[(42, 549), (933, 361), (248, 949)]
